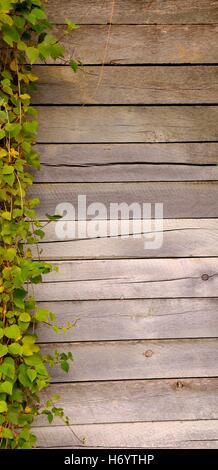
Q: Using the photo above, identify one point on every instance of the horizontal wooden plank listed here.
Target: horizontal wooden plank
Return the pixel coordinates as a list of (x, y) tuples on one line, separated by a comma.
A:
[(171, 434), (147, 359), (131, 279), (127, 124), (180, 239), (142, 44), (179, 199), (120, 172), (132, 319), (134, 11), (94, 155), (126, 85), (135, 400), (127, 162), (124, 228)]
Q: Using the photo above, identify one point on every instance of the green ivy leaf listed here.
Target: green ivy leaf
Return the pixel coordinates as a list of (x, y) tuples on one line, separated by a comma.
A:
[(35, 15), (3, 406), (31, 374), (2, 134), (13, 128), (32, 54), (10, 34), (3, 350), (25, 317), (12, 332), (15, 349), (8, 368), (6, 387), (7, 433), (65, 366), (19, 296), (71, 25), (6, 215), (74, 65)]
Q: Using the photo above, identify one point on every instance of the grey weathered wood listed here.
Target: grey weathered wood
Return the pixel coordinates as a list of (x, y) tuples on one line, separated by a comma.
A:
[(87, 155), (171, 434), (127, 124), (134, 11), (143, 400), (127, 85), (182, 237), (127, 227), (132, 319), (126, 279), (127, 162), (138, 44), (60, 173), (137, 359), (180, 199)]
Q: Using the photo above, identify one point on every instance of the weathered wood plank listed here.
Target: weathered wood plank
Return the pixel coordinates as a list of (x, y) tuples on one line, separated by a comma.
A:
[(129, 401), (61, 173), (133, 319), (127, 85), (180, 239), (147, 359), (138, 44), (204, 153), (180, 199), (134, 227), (127, 162), (171, 434), (131, 279), (127, 124), (134, 11)]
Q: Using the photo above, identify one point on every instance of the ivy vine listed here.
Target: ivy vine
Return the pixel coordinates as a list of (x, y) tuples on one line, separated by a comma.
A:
[(25, 38)]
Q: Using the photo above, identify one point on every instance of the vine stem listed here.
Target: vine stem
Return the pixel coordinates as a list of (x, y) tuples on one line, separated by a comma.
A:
[(107, 45)]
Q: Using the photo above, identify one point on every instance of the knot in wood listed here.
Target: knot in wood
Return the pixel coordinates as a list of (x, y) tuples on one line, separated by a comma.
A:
[(179, 384), (148, 353), (205, 277)]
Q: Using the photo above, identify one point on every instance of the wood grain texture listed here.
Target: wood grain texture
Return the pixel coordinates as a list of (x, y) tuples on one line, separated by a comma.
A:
[(204, 153), (126, 239), (134, 11), (139, 44), (127, 162), (131, 279), (180, 199), (146, 359), (132, 319), (135, 400), (171, 434), (127, 85), (127, 124)]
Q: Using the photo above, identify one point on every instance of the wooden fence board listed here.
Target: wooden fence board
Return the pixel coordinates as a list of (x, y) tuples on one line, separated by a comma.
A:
[(88, 155), (129, 401), (126, 239), (142, 44), (130, 279), (134, 11), (127, 162), (132, 319), (147, 359), (127, 85), (127, 124), (180, 199), (171, 434)]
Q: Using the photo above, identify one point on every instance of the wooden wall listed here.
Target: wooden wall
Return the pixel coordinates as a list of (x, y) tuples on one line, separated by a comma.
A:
[(144, 128)]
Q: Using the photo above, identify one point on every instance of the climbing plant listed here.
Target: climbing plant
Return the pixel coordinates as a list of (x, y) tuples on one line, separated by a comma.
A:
[(25, 38)]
